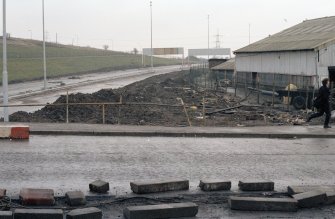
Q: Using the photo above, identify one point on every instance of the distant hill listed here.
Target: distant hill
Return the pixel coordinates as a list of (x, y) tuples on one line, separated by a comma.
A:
[(25, 60)]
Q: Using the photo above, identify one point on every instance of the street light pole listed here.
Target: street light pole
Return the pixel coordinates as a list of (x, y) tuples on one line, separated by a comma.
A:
[(152, 58), (208, 38), (44, 55), (4, 72), (31, 34)]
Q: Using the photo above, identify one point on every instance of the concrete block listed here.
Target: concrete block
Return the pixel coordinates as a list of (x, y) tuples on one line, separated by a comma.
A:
[(75, 198), (215, 185), (256, 185), (99, 186), (292, 190), (6, 215), (310, 199), (5, 131), (159, 186), (2, 193), (85, 213), (330, 198), (40, 197), (263, 204), (14, 132), (38, 214), (176, 210), (20, 132)]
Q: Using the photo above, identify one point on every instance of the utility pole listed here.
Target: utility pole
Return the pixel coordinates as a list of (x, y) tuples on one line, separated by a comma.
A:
[(56, 38), (218, 40), (44, 54), (4, 71), (152, 52)]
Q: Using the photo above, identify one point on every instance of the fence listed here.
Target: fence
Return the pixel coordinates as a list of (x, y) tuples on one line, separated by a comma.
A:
[(109, 112), (259, 88)]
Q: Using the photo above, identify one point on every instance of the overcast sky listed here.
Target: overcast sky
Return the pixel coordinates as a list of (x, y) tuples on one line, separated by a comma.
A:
[(125, 24)]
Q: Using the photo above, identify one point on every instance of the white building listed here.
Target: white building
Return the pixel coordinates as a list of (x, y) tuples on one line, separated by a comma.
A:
[(303, 55)]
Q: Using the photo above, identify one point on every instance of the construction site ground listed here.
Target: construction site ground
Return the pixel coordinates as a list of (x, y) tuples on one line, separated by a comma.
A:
[(158, 101)]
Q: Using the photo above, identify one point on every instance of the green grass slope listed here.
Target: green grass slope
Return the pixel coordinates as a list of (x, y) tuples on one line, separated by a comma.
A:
[(25, 60)]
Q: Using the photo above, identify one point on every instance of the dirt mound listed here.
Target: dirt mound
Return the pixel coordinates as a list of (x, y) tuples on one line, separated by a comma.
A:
[(156, 90), (157, 101)]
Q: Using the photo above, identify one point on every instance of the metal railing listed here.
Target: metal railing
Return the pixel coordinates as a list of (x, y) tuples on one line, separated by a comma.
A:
[(103, 106)]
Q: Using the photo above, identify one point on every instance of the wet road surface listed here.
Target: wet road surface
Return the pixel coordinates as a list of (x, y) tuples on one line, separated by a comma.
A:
[(72, 162)]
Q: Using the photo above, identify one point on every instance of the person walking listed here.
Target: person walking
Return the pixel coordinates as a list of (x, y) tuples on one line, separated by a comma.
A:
[(323, 98)]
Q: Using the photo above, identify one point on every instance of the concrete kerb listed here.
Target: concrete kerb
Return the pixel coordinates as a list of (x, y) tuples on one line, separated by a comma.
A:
[(263, 204), (38, 213), (146, 187), (166, 134), (85, 213), (311, 199), (6, 215), (172, 210), (16, 132), (158, 131)]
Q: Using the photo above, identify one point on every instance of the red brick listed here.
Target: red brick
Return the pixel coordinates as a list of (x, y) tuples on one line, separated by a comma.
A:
[(37, 197)]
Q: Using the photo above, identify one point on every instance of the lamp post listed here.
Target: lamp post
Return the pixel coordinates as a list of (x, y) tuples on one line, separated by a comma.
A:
[(152, 58), (31, 34), (208, 39), (44, 55), (4, 71)]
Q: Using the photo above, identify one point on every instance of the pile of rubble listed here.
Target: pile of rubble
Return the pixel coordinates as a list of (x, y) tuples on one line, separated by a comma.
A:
[(159, 101)]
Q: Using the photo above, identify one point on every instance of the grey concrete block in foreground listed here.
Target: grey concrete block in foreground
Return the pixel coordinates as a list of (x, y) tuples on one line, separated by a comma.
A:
[(330, 198), (75, 198), (99, 186), (175, 210), (38, 214), (159, 186), (310, 199), (85, 213), (6, 215), (256, 185), (292, 190), (263, 204), (214, 185)]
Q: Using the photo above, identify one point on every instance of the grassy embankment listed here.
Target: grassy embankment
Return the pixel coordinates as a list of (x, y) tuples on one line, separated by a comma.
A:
[(25, 60)]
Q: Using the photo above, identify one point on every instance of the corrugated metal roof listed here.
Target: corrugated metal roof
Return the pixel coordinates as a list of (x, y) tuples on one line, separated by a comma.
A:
[(228, 65), (307, 35)]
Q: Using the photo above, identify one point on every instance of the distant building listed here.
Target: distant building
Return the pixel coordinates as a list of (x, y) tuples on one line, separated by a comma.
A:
[(225, 70), (302, 55), (215, 62)]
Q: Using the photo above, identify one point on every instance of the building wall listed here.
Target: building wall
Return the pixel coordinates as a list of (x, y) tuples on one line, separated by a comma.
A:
[(297, 63), (326, 59), (293, 63)]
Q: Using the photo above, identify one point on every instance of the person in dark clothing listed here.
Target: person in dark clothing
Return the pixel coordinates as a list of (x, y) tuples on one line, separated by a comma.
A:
[(324, 94)]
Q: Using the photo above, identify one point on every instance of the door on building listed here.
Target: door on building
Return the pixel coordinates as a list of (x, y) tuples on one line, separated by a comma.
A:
[(332, 76), (254, 79), (332, 86)]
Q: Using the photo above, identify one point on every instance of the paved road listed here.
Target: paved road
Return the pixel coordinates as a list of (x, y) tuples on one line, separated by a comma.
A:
[(71, 162), (33, 93)]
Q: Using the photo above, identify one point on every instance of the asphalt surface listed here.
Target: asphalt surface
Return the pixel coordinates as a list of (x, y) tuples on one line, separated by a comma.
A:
[(66, 163), (72, 162)]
